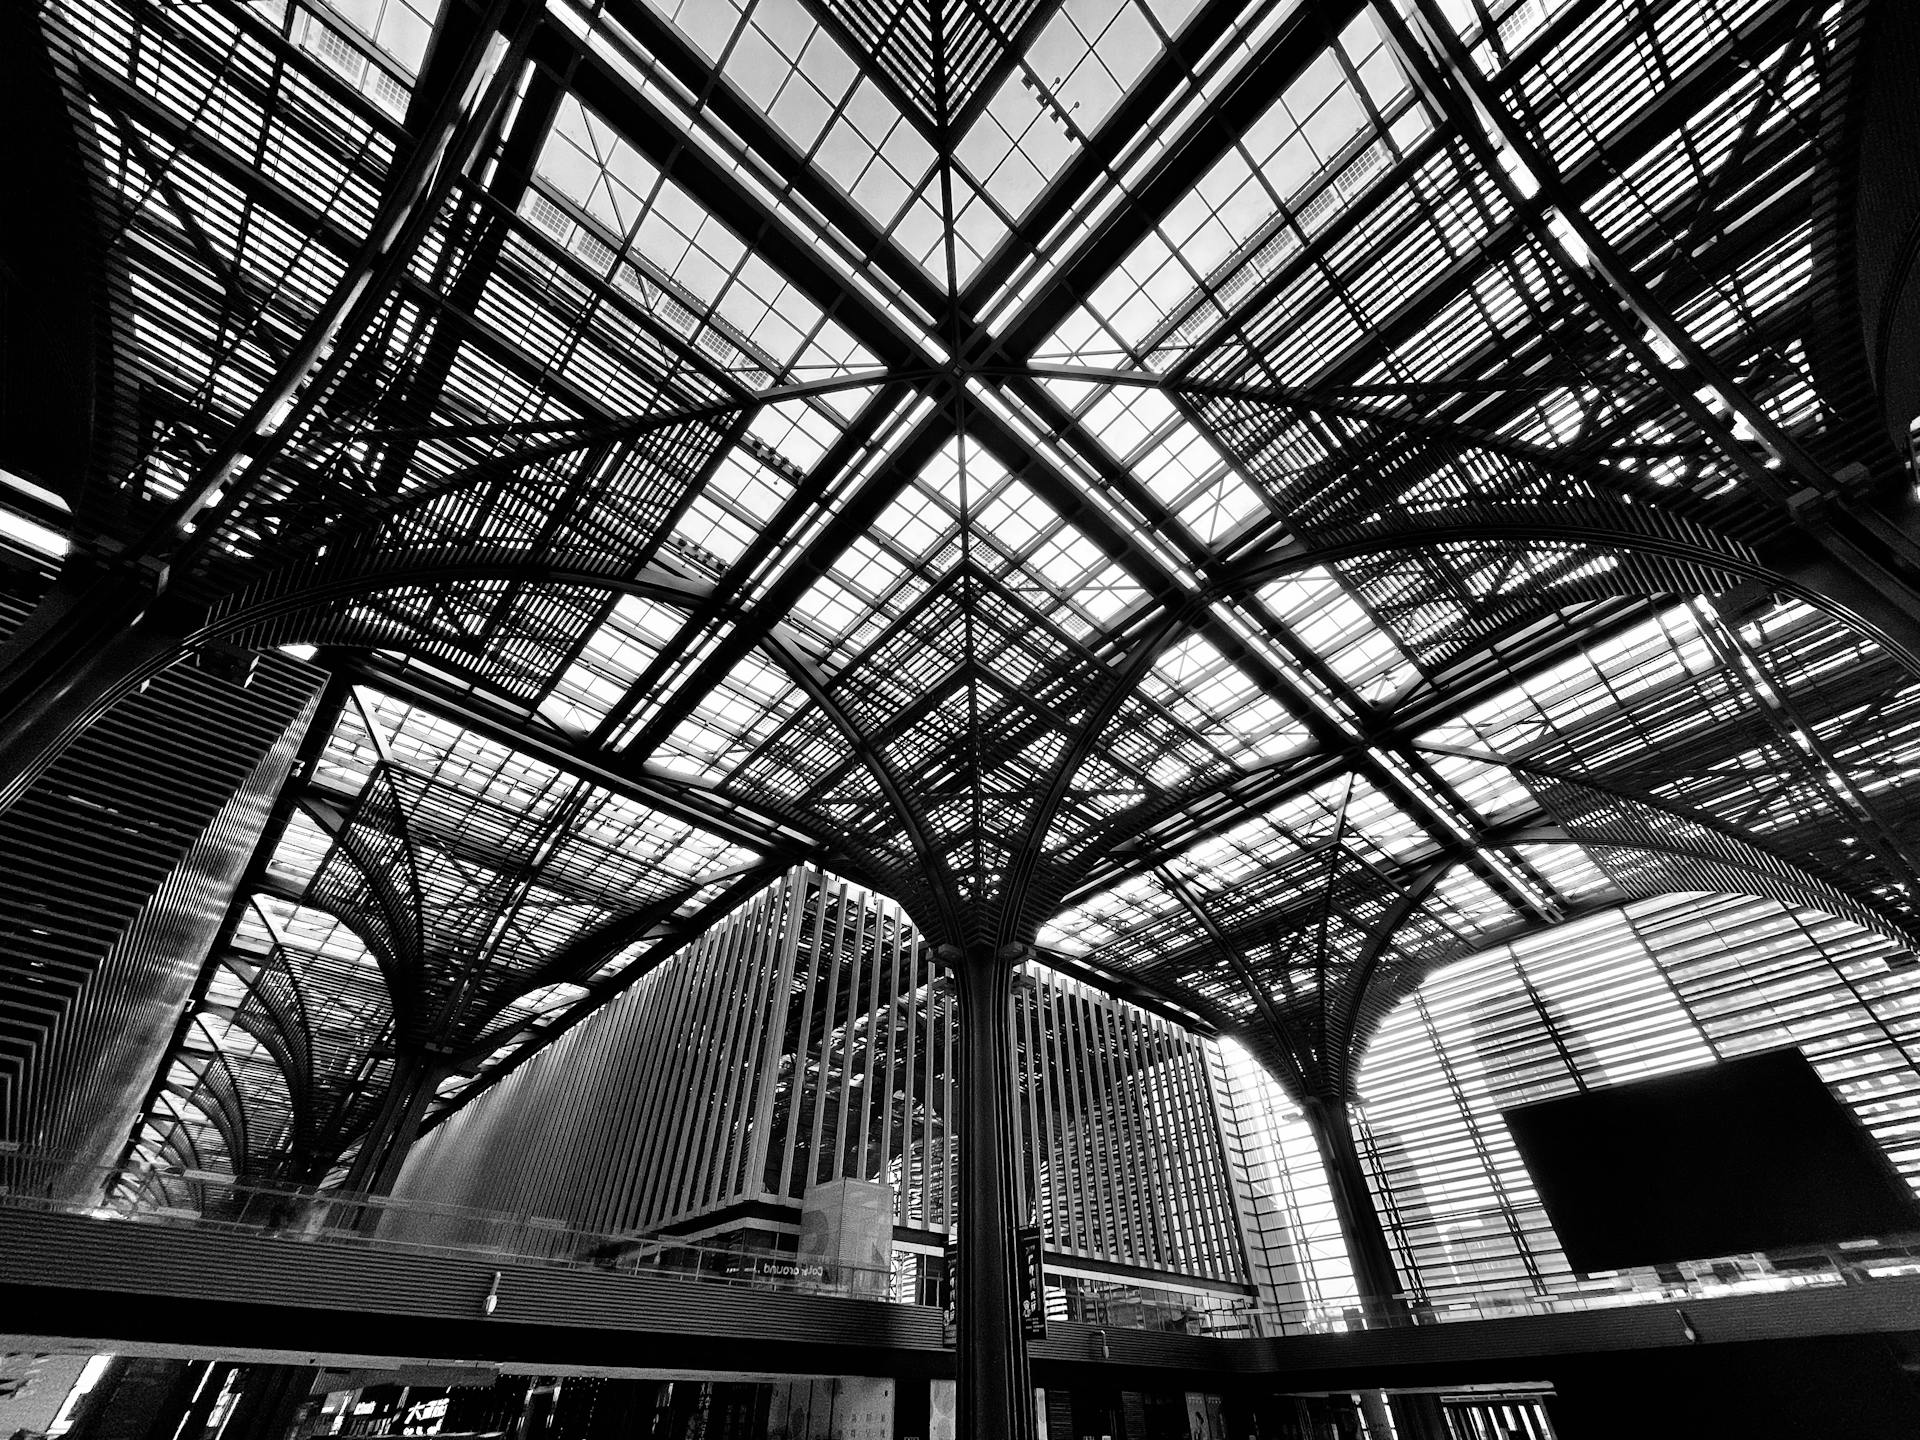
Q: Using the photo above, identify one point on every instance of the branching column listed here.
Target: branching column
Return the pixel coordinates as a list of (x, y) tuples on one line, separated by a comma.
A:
[(1414, 1417), (1373, 1268), (396, 1126), (995, 1395)]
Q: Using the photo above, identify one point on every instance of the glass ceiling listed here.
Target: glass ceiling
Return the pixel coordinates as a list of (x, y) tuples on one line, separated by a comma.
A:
[(1179, 480)]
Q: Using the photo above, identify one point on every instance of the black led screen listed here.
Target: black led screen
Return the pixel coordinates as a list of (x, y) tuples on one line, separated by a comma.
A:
[(1747, 1155)]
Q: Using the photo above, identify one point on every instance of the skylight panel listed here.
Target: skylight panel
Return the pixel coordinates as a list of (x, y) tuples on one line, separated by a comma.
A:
[(613, 658), (1248, 210), (733, 718), (1123, 417), (783, 62), (1325, 617), (379, 49), (875, 154), (915, 520), (1131, 906), (1015, 517), (1604, 678), (795, 430), (1376, 820), (741, 493), (1468, 904), (690, 270), (923, 233), (303, 846), (1568, 869), (463, 761), (1078, 68), (1217, 700)]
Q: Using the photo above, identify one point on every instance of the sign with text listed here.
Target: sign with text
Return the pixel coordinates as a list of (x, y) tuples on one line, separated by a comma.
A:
[(1033, 1282), (1029, 1260)]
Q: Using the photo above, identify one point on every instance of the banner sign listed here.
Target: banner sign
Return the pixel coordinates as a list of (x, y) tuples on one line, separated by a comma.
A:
[(1033, 1283)]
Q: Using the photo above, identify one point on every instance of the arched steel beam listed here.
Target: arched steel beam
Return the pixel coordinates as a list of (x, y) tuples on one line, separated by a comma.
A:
[(1403, 909), (1365, 1006), (1572, 463), (228, 1114), (392, 964), (1779, 875), (1805, 886), (1889, 921), (282, 1028), (1673, 546), (942, 888), (1296, 1081), (1016, 924), (271, 614), (383, 775), (587, 952)]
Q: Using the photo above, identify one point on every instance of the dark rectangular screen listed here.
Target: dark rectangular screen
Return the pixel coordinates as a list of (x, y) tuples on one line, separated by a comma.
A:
[(1746, 1155)]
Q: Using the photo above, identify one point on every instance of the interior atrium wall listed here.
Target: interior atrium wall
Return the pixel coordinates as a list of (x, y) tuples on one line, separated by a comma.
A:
[(809, 1039), (1294, 1245), (120, 864), (1659, 985)]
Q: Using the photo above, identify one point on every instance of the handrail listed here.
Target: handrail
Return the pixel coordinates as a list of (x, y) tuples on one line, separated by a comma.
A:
[(221, 1203)]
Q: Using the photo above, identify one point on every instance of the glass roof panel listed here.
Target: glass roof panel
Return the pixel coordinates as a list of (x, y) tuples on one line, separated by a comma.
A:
[(1332, 131), (694, 277), (1326, 618), (1205, 691), (732, 720)]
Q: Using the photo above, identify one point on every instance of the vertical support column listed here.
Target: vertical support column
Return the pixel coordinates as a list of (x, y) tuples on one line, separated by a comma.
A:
[(1373, 1268), (395, 1127), (1416, 1417), (995, 1393)]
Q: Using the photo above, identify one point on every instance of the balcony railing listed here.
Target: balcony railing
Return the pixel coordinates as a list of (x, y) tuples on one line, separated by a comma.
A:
[(213, 1202), (217, 1203)]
